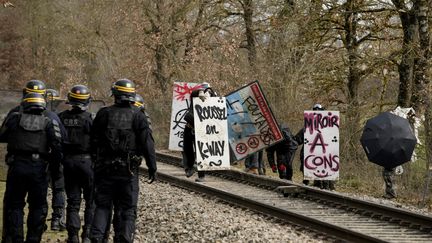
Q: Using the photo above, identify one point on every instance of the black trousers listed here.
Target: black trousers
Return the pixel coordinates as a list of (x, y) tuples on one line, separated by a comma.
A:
[(114, 187), (188, 147), (285, 158), (79, 182), (25, 178), (58, 189)]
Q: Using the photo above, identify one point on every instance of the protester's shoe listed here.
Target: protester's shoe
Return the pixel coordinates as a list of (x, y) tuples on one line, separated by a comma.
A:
[(200, 179), (389, 196), (189, 172), (261, 171), (332, 186), (252, 170)]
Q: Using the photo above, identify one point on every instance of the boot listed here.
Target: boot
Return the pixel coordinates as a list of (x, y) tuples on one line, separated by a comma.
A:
[(73, 238), (85, 235), (57, 224)]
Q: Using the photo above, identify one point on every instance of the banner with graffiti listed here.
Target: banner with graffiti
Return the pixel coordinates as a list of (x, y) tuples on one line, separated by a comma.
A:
[(251, 124), (211, 135), (180, 104), (321, 145)]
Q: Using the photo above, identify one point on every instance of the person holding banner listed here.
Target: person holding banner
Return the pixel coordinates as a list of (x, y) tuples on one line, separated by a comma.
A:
[(299, 137), (285, 152), (189, 134)]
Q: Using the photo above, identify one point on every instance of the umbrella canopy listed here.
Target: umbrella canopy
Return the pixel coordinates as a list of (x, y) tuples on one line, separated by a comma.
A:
[(388, 140)]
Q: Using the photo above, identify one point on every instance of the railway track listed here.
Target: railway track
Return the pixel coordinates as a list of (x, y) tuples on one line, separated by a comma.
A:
[(336, 216)]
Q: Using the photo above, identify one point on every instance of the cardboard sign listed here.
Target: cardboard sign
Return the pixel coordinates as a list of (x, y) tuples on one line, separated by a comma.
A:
[(180, 105), (251, 124), (211, 136), (321, 145)]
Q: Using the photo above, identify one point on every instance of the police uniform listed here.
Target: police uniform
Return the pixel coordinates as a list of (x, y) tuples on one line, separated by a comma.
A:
[(32, 139), (78, 171), (120, 136), (285, 152), (139, 102), (55, 168)]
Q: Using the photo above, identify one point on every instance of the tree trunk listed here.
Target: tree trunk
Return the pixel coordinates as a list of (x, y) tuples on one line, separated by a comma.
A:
[(421, 81), (250, 33), (406, 66)]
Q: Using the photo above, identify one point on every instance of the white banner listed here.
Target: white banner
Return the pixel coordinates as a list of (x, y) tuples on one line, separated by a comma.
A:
[(211, 134), (180, 105), (321, 145)]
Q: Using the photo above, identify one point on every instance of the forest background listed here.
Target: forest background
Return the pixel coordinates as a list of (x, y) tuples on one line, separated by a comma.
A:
[(360, 57)]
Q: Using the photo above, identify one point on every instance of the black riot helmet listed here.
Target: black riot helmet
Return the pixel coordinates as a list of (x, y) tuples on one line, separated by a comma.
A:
[(52, 94), (318, 107), (34, 86), (123, 91), (33, 102), (139, 101), (79, 96)]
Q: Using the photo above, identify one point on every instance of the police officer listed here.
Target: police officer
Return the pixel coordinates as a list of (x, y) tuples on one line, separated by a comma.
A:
[(139, 102), (285, 152), (78, 172), (56, 174), (38, 86), (32, 138), (120, 136), (53, 99)]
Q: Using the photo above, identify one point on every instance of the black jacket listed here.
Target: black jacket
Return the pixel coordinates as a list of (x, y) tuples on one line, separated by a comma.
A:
[(143, 135)]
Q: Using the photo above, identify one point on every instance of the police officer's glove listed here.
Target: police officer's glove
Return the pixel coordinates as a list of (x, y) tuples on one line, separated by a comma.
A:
[(274, 168), (152, 177)]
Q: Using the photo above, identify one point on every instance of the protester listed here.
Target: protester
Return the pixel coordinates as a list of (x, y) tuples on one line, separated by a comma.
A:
[(189, 159), (388, 176), (299, 137), (253, 163), (285, 151)]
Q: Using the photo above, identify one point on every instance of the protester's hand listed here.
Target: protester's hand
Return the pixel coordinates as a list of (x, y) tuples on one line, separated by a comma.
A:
[(152, 177), (274, 168), (282, 168)]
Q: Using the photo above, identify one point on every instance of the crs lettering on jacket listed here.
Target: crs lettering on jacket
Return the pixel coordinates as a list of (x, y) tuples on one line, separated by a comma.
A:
[(71, 122)]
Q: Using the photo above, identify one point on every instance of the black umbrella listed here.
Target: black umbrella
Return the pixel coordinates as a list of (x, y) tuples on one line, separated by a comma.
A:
[(388, 140)]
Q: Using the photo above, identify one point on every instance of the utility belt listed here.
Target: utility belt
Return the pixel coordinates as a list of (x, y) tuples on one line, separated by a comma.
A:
[(78, 156), (127, 161), (25, 155)]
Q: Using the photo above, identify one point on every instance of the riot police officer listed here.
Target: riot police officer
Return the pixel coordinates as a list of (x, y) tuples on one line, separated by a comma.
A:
[(139, 102), (38, 86), (120, 136), (285, 152), (56, 174), (32, 138), (78, 172)]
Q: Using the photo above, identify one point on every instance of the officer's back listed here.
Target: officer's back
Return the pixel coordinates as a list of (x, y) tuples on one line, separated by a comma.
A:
[(120, 138), (32, 137)]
